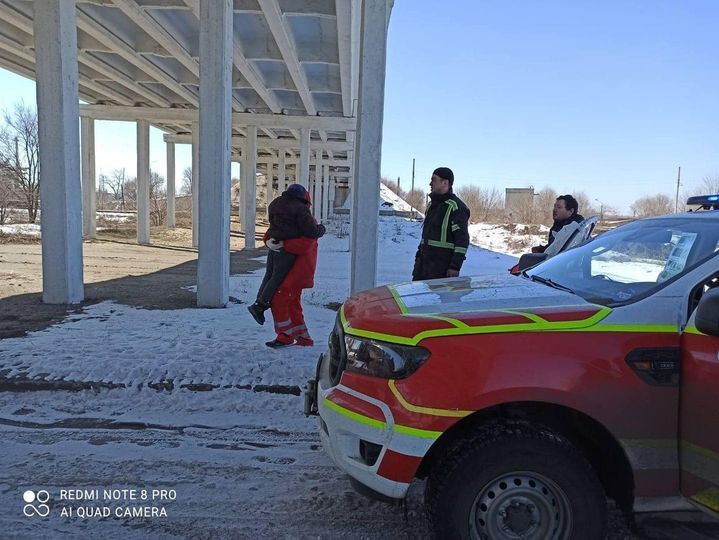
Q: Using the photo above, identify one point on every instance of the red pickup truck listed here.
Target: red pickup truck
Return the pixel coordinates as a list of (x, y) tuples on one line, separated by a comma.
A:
[(526, 401)]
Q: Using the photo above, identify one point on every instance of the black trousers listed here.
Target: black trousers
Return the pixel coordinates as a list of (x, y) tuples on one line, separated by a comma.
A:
[(431, 263), (279, 264)]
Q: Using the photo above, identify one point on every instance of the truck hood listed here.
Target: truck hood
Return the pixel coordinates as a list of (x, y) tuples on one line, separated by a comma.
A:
[(465, 305)]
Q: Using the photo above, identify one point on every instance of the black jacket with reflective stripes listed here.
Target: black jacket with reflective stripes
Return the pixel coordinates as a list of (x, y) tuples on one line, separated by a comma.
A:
[(445, 237)]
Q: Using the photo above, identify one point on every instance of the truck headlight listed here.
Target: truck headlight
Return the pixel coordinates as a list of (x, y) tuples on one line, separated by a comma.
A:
[(380, 359)]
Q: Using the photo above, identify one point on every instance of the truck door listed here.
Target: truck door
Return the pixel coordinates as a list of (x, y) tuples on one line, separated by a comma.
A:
[(699, 402)]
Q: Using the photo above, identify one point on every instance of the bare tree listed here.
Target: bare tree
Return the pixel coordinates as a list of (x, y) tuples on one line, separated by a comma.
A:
[(709, 185), (186, 181), (19, 154), (652, 205), (417, 199), (394, 187), (524, 210), (543, 203), (7, 193), (158, 199), (586, 207), (129, 188), (116, 184), (485, 204)]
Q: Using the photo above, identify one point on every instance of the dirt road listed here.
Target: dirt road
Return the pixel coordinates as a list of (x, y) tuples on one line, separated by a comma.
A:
[(115, 267)]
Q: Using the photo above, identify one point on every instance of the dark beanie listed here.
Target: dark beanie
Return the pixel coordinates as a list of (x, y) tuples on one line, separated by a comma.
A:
[(445, 173), (297, 190)]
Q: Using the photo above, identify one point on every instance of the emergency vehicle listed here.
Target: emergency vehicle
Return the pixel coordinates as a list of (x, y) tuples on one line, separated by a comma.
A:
[(525, 401)]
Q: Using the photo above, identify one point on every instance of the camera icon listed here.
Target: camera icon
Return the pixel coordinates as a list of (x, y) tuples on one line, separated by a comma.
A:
[(35, 503)]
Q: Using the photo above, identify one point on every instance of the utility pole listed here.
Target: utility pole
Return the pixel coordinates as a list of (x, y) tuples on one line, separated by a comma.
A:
[(412, 190), (601, 209), (676, 201), (399, 186)]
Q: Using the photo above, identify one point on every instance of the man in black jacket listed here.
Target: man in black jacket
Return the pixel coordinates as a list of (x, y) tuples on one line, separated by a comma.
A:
[(445, 237), (565, 211)]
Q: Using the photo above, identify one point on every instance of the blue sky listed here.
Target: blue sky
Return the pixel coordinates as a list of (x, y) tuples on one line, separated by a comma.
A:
[(604, 97)]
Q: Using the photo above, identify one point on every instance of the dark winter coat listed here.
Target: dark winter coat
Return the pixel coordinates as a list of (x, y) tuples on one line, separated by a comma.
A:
[(445, 237), (290, 217), (558, 226)]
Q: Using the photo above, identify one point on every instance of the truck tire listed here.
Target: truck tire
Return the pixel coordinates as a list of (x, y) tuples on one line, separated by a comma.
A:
[(515, 480)]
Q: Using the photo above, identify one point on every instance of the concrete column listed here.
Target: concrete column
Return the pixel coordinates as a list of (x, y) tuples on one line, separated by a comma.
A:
[(88, 177), (170, 220), (60, 192), (368, 154), (250, 179), (317, 187), (281, 174), (303, 169), (195, 183), (269, 194), (143, 182), (326, 192), (213, 263), (333, 192), (241, 195)]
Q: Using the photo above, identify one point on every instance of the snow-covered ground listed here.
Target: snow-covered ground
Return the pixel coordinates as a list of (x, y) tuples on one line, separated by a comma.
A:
[(21, 229), (512, 239), (390, 199), (243, 462), (119, 217)]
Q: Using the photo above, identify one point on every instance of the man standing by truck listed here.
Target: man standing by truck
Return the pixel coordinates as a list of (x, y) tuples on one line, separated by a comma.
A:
[(445, 237)]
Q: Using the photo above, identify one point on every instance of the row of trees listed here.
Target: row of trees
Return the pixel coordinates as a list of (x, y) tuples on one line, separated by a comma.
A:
[(20, 185), (20, 173), (656, 205), (118, 191), (486, 204)]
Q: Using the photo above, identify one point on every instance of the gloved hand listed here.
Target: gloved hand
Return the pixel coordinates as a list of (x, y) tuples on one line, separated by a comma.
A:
[(274, 244), (322, 230)]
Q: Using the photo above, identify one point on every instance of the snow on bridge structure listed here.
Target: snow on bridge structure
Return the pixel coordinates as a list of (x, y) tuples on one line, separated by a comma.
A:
[(289, 87)]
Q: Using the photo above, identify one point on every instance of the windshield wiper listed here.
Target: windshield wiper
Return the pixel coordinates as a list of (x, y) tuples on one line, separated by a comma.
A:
[(551, 283)]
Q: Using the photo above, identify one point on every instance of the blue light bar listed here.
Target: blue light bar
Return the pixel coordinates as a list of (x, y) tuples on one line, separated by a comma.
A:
[(706, 202)]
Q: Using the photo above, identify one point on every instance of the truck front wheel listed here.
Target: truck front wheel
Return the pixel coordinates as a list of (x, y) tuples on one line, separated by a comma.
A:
[(515, 480)]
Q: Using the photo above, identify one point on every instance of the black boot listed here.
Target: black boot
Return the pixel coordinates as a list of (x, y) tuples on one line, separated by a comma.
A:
[(257, 310)]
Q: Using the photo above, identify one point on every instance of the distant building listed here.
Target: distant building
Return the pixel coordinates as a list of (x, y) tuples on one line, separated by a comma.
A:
[(518, 203)]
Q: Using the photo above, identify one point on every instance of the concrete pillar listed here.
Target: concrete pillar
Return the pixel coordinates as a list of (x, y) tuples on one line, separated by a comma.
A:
[(143, 182), (88, 177), (195, 183), (333, 193), (170, 219), (269, 194), (213, 263), (368, 154), (60, 192), (317, 187), (250, 180), (326, 192), (241, 195), (303, 169), (281, 174)]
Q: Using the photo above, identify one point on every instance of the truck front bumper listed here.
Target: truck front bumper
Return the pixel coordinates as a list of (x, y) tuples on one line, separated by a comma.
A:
[(358, 433)]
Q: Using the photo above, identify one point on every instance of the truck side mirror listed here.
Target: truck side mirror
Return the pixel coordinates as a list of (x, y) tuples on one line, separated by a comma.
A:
[(707, 315)]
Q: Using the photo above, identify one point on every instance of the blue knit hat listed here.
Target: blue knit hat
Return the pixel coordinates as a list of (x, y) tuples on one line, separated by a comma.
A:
[(298, 191)]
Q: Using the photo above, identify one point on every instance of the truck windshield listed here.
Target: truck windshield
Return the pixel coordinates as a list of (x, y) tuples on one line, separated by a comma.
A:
[(632, 261)]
